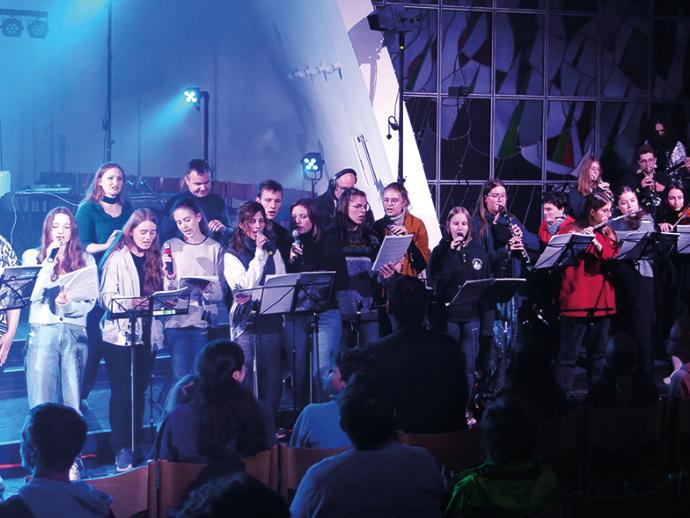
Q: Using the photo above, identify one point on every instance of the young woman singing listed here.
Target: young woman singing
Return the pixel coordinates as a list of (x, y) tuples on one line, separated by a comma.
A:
[(133, 269), (56, 350)]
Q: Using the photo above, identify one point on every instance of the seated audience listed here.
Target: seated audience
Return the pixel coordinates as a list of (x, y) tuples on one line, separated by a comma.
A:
[(223, 422), (621, 385), (533, 378), (52, 437), (678, 345), (511, 482), (244, 495), (318, 426), (420, 371), (379, 476)]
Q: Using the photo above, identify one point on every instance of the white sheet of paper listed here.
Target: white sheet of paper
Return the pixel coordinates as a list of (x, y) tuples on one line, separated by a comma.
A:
[(683, 239), (392, 250), (81, 284)]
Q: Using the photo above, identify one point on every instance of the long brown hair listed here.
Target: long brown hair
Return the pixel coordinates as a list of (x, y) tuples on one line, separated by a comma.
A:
[(244, 214), (342, 217), (153, 266), (310, 207), (595, 201), (73, 255), (637, 217), (480, 208), (584, 180), (95, 191)]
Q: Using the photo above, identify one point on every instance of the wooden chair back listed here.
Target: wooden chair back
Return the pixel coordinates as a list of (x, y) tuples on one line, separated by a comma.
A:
[(559, 445), (174, 478), (129, 491), (455, 450), (658, 502), (264, 467), (294, 463)]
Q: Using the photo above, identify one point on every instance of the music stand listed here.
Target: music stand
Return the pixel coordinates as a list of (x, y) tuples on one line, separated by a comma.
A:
[(16, 286), (563, 250), (683, 239), (645, 246), (158, 304), (312, 292)]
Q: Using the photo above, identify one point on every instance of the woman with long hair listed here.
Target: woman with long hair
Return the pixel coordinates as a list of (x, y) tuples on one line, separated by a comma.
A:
[(360, 244), (100, 218), (456, 259), (132, 269), (589, 180), (56, 350), (586, 298), (249, 258), (398, 222), (633, 282), (195, 260), (9, 320), (314, 250), (221, 422)]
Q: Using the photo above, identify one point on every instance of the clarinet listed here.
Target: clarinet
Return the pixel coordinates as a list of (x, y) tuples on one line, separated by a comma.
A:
[(523, 253)]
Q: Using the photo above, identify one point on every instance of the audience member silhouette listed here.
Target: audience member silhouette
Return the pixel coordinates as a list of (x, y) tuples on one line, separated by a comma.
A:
[(678, 345)]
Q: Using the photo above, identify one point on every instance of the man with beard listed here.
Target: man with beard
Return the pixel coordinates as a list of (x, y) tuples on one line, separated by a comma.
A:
[(669, 151)]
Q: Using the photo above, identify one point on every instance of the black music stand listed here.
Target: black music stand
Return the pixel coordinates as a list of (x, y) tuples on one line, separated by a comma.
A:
[(274, 297), (563, 250), (312, 292), (16, 286), (641, 246), (158, 304), (683, 239)]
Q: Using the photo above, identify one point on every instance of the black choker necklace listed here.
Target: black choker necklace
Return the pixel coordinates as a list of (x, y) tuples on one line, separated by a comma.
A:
[(109, 200)]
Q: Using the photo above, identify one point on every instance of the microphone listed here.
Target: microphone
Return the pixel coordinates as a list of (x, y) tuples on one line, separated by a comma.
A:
[(53, 254), (295, 238), (167, 250)]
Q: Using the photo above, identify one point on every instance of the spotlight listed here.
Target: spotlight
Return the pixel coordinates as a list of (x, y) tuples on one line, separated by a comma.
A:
[(311, 165), (12, 27), (192, 95), (38, 29)]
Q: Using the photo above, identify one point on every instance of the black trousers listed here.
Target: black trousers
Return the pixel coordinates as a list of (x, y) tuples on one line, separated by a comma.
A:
[(576, 332), (118, 361)]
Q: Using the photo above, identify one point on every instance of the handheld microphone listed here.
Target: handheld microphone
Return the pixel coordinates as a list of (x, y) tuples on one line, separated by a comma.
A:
[(53, 254), (295, 238), (167, 250)]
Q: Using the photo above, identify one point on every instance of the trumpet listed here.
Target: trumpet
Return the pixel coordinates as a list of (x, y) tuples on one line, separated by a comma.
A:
[(523, 253)]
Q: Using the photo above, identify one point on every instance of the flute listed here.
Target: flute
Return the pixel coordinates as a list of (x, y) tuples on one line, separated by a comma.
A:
[(611, 220)]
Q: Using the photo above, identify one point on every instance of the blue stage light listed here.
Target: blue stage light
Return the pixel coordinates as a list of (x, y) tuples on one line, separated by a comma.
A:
[(38, 29), (312, 164), (192, 95), (12, 27)]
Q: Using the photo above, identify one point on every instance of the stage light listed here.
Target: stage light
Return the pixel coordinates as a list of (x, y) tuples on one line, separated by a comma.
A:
[(38, 29), (192, 95), (12, 27), (311, 165)]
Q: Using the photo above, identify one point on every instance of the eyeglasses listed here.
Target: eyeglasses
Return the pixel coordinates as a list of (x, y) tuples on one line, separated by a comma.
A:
[(360, 206), (496, 196)]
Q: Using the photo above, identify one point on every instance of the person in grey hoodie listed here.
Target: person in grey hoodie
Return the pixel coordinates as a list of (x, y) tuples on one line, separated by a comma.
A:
[(52, 437)]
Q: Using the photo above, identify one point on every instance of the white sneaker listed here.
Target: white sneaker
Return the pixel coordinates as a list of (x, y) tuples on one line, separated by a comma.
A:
[(74, 473)]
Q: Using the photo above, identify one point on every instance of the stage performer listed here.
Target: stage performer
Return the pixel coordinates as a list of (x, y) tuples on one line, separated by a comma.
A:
[(398, 222), (554, 207), (191, 254), (249, 258), (327, 202), (56, 349), (589, 180), (9, 320), (586, 299), (132, 269), (456, 259), (100, 218), (633, 282), (313, 250), (270, 196)]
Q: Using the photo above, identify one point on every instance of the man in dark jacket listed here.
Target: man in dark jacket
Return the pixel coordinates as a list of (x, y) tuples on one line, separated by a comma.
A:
[(325, 204)]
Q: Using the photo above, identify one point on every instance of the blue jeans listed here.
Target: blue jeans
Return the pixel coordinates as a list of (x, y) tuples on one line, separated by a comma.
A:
[(268, 343), (54, 363), (467, 335), (296, 332), (185, 344)]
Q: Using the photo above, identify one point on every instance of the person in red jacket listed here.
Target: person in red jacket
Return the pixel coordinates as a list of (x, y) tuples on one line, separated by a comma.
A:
[(554, 206), (586, 298)]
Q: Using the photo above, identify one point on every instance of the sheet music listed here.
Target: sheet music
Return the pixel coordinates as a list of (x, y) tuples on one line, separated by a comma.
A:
[(19, 278), (627, 241), (81, 284), (555, 247), (198, 280), (392, 250)]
